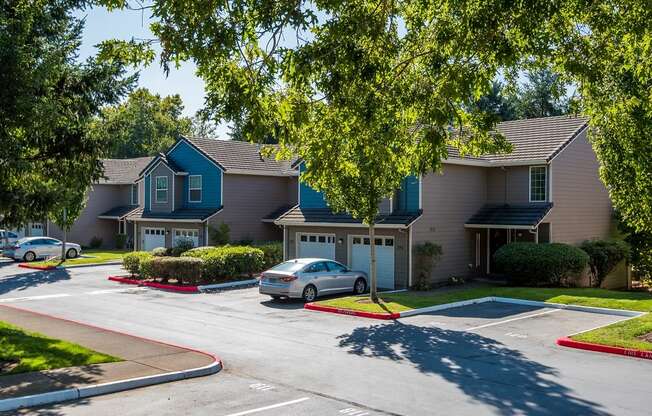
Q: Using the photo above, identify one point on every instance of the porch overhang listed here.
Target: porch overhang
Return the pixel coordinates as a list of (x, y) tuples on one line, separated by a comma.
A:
[(184, 215), (510, 216), (324, 217), (117, 213)]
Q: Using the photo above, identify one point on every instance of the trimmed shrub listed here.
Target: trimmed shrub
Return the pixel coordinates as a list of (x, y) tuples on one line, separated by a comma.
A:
[(426, 256), (604, 255), (182, 245), (273, 252), (540, 264), (96, 242), (160, 252), (186, 270), (219, 235), (228, 262), (120, 241), (132, 262), (198, 251)]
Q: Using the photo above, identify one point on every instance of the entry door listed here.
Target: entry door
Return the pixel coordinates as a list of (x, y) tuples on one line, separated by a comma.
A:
[(497, 238), (320, 246), (361, 256), (152, 238)]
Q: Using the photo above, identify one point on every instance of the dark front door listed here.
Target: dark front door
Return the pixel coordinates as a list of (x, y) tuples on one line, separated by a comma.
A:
[(497, 239)]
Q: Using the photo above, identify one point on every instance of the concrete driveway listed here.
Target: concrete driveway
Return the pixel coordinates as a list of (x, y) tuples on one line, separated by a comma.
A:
[(283, 360)]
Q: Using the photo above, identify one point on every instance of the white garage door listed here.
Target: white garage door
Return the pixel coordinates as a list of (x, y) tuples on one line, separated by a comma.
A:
[(360, 257), (36, 230), (152, 238), (192, 235), (316, 245)]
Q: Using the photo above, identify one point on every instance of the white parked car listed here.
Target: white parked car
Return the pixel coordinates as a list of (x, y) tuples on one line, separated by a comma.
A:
[(11, 238), (32, 248)]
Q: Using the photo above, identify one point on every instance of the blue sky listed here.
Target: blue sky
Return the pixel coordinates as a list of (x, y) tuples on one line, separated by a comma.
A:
[(125, 24)]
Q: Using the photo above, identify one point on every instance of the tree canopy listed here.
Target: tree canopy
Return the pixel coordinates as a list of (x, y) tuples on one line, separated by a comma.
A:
[(47, 100), (144, 124)]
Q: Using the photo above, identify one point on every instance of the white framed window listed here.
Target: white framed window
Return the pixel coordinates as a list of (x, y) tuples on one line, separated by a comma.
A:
[(134, 194), (538, 183), (161, 190), (194, 188)]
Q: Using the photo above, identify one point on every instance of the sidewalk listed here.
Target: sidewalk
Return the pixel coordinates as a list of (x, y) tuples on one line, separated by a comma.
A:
[(145, 361)]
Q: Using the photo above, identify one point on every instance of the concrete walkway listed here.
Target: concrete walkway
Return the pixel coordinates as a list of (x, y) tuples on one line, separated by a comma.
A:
[(142, 358)]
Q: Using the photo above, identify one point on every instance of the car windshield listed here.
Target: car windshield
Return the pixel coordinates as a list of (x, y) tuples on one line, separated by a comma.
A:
[(287, 266)]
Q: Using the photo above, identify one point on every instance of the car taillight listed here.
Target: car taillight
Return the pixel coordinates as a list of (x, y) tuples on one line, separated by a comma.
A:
[(288, 278)]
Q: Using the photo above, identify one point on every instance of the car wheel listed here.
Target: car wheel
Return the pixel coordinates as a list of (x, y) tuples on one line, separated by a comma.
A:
[(71, 253), (360, 286), (309, 293), (29, 256)]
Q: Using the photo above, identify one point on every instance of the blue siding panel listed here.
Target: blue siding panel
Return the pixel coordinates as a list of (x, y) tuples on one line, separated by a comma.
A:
[(148, 192), (408, 195), (193, 162), (308, 197)]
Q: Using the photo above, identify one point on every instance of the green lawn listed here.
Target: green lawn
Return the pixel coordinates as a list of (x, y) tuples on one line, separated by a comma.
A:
[(88, 257), (404, 301), (25, 351), (623, 334)]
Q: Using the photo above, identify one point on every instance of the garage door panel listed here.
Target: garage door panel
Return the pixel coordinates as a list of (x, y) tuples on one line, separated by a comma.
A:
[(361, 256), (316, 245), (153, 237)]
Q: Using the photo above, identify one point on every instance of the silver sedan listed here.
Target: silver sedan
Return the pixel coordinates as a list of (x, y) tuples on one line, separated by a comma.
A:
[(32, 248), (309, 278)]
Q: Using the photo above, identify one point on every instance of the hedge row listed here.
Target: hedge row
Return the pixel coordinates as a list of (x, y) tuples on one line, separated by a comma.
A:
[(226, 262), (273, 253), (532, 264)]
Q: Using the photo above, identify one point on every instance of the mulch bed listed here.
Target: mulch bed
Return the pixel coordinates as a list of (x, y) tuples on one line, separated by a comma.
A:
[(646, 337)]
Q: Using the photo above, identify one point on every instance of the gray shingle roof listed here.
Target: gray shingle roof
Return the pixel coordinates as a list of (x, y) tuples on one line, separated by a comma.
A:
[(535, 138), (297, 215), (199, 214), (514, 214), (237, 155), (118, 212), (123, 171)]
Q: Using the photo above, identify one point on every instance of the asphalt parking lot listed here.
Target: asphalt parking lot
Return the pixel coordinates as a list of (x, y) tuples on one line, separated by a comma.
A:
[(280, 359)]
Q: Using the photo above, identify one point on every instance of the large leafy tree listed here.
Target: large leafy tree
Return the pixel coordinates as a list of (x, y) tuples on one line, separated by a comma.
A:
[(47, 100), (543, 95), (367, 92), (143, 125)]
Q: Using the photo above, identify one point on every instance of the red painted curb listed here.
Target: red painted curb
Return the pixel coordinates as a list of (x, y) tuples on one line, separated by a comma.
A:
[(372, 315), (213, 356), (172, 288), (628, 352), (29, 266)]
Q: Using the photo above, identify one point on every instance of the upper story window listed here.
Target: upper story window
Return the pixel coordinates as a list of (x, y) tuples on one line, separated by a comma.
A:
[(538, 183), (161, 189), (134, 194), (194, 188)]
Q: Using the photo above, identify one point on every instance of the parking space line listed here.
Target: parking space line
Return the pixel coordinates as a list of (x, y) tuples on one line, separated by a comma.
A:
[(513, 319), (270, 407), (58, 295)]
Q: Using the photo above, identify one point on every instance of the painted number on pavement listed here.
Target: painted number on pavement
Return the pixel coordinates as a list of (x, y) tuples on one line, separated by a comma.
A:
[(260, 386), (352, 411)]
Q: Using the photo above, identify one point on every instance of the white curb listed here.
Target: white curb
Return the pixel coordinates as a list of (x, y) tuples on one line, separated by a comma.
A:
[(591, 309), (105, 388), (227, 285)]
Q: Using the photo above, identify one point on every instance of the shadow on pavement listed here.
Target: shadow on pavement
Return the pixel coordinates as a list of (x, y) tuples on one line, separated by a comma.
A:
[(484, 369), (22, 281), (488, 310), (284, 304)]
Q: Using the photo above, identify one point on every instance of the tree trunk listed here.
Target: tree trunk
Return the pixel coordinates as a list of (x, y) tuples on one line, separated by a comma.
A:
[(65, 235), (373, 284)]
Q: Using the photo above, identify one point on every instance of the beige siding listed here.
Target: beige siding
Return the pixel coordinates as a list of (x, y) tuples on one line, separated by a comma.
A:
[(449, 199), (401, 258), (582, 209), (513, 178), (101, 198), (250, 198)]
